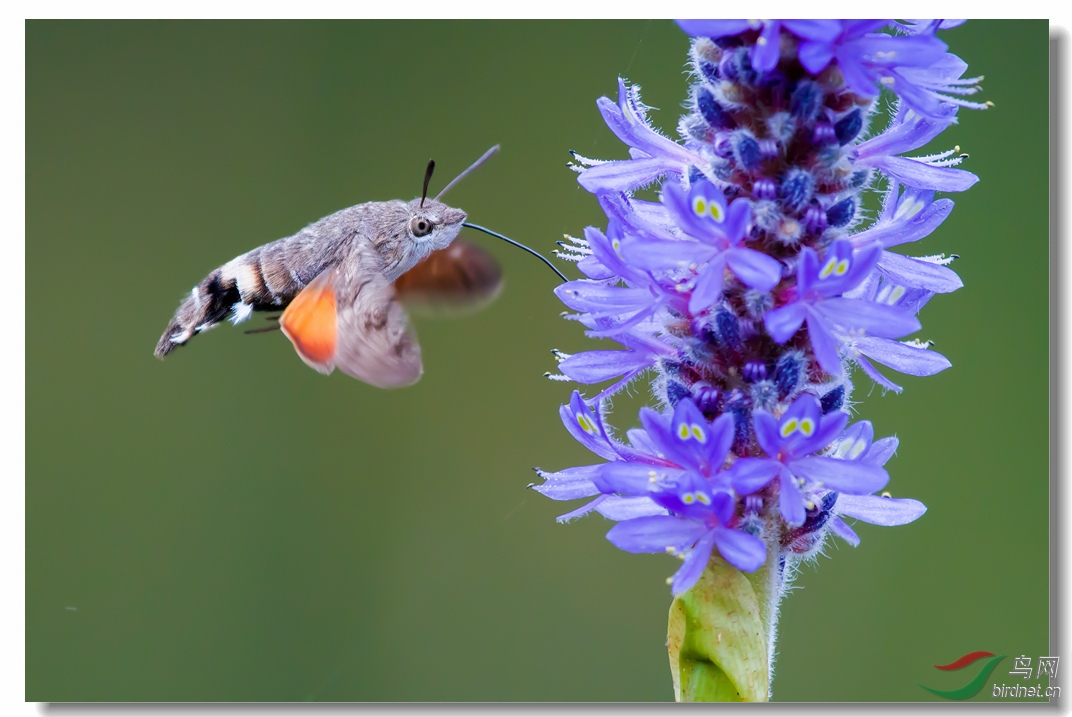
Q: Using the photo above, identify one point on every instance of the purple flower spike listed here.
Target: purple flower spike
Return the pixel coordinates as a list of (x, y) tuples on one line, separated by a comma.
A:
[(755, 282)]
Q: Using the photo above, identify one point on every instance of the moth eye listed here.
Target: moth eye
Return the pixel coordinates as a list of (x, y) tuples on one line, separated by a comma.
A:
[(420, 226)]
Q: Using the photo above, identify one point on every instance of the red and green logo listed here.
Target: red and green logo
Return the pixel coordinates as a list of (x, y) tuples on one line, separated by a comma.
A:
[(976, 684)]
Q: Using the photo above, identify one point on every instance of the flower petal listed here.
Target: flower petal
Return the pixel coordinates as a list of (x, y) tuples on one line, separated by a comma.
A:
[(569, 484), (626, 175), (842, 530), (783, 322), (883, 320), (618, 508), (912, 360), (751, 474), (583, 510), (790, 501), (767, 435), (919, 174), (754, 268), (823, 343), (746, 552), (695, 562), (853, 477), (709, 286), (913, 272), (630, 478), (881, 451), (596, 366), (654, 534), (877, 510)]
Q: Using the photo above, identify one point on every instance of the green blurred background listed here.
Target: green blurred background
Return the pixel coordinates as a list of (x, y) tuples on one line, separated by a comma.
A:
[(230, 525)]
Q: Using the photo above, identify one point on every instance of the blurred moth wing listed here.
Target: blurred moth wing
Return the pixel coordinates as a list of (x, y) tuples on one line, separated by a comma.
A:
[(455, 281), (351, 320)]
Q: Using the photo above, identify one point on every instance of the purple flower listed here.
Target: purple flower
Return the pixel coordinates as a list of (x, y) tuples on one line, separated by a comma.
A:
[(692, 537), (589, 367), (714, 234), (915, 67), (791, 443), (909, 216), (588, 429), (910, 131), (689, 484), (818, 302), (653, 155), (765, 52), (856, 444)]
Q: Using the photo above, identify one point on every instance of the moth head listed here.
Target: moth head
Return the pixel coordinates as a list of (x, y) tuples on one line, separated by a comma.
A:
[(433, 225)]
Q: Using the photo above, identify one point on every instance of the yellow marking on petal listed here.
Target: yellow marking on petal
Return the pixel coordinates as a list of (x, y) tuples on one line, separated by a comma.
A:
[(886, 494), (810, 505), (789, 427), (586, 423), (807, 426), (828, 268), (699, 206), (885, 54), (896, 294), (688, 498), (683, 431), (699, 432), (857, 448), (842, 267), (761, 41), (671, 549), (887, 80), (717, 212), (703, 497)]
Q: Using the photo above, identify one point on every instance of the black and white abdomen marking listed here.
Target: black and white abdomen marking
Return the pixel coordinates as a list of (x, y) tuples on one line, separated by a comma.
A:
[(264, 279)]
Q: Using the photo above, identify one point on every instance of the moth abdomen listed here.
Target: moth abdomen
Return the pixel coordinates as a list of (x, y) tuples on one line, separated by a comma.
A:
[(257, 280), (206, 305)]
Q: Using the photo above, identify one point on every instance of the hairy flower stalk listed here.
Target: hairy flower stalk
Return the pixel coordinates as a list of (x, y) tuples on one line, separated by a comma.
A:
[(749, 290)]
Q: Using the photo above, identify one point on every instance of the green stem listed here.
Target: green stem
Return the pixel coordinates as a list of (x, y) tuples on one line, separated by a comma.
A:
[(721, 632)]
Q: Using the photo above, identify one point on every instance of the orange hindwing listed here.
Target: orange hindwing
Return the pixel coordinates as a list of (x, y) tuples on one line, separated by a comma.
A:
[(310, 323)]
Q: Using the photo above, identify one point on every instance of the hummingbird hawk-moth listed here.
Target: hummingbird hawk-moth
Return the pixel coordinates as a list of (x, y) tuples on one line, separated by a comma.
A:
[(339, 281)]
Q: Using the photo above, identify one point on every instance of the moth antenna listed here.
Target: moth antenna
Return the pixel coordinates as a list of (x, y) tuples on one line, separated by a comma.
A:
[(457, 179), (519, 245), (427, 179)]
